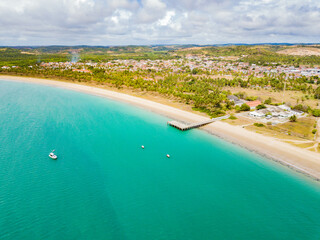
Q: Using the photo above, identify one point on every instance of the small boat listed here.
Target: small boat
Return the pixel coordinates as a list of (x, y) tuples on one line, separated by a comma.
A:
[(142, 147), (53, 156), (168, 156)]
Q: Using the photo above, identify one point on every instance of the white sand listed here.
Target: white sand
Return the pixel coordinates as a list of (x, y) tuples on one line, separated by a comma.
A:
[(301, 160)]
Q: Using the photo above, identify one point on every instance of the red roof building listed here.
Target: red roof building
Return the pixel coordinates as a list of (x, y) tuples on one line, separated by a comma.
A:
[(253, 104)]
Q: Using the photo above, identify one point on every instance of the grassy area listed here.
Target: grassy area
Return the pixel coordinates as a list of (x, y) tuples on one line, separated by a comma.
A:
[(289, 97), (272, 133), (302, 128)]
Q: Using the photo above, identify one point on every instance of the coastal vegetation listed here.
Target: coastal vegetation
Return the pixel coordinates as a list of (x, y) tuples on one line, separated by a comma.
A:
[(301, 131), (201, 77), (24, 57)]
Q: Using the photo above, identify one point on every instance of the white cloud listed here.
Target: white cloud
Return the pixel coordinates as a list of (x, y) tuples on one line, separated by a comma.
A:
[(167, 19), (157, 21)]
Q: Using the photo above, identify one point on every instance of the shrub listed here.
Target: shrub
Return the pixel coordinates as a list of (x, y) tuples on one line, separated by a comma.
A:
[(244, 107), (302, 108), (293, 118), (316, 112), (258, 124), (314, 131), (250, 98), (232, 117), (195, 71), (275, 104), (268, 101), (240, 95), (261, 106)]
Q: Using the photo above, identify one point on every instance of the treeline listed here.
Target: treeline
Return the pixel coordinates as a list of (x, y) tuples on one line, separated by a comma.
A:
[(16, 57), (29, 56), (203, 94), (105, 57)]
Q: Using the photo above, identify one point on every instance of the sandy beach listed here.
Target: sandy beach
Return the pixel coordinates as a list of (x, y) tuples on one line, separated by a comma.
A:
[(299, 159)]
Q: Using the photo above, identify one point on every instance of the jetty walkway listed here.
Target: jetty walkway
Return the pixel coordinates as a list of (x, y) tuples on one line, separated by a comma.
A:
[(185, 126)]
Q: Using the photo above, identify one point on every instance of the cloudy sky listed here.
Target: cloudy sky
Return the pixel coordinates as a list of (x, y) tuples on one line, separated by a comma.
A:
[(138, 22)]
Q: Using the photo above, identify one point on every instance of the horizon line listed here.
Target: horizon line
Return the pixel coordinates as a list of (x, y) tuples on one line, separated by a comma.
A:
[(171, 44)]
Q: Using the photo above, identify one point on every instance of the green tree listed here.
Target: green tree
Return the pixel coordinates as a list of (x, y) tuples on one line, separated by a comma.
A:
[(261, 106), (316, 112), (293, 118), (245, 107), (268, 101), (195, 71)]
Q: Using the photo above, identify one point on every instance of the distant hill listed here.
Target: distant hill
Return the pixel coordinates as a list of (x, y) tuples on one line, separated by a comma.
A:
[(263, 54)]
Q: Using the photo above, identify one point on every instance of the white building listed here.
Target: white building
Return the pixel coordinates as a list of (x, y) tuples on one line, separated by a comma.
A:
[(256, 114), (285, 107)]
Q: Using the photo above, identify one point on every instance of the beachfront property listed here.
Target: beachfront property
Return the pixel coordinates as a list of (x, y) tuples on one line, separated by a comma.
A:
[(253, 104), (282, 112), (239, 102), (257, 114)]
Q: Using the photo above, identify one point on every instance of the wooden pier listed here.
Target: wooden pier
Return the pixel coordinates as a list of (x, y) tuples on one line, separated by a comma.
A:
[(185, 126)]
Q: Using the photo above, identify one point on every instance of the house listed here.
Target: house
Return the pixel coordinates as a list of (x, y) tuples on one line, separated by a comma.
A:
[(236, 100), (233, 98), (256, 114), (253, 104), (285, 107), (296, 112), (239, 102), (285, 115)]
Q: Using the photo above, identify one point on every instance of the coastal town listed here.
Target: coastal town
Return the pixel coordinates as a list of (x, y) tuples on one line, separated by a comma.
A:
[(274, 98), (266, 113), (206, 65)]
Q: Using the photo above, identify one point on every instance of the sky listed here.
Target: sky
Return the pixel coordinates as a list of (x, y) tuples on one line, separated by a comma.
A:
[(145, 22)]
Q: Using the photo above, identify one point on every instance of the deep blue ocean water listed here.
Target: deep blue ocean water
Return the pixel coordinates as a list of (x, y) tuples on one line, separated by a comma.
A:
[(105, 186)]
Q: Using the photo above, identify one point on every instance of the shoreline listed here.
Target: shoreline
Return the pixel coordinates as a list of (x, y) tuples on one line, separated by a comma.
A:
[(300, 160)]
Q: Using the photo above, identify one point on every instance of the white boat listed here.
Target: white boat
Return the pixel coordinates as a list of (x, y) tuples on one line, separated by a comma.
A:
[(52, 155)]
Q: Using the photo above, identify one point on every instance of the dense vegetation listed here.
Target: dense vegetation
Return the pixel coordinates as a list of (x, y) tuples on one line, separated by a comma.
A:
[(16, 57), (195, 87), (205, 95)]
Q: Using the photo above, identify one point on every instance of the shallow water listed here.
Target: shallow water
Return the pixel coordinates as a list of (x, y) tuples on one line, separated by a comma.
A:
[(105, 186)]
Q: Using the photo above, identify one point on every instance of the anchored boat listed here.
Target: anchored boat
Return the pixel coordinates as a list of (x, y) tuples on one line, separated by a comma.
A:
[(52, 155)]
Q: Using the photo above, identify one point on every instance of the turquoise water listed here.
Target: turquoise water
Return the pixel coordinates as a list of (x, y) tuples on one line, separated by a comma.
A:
[(104, 186)]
